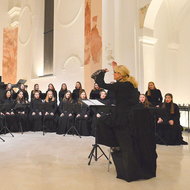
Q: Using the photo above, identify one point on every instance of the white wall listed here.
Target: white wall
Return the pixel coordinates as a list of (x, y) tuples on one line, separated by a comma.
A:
[(68, 45), (119, 24), (119, 30), (169, 58), (182, 74)]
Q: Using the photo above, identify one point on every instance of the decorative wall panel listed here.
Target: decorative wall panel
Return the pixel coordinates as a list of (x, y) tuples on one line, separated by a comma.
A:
[(10, 47), (93, 40)]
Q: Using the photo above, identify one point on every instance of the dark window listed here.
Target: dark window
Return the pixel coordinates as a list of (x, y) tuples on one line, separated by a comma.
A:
[(48, 36)]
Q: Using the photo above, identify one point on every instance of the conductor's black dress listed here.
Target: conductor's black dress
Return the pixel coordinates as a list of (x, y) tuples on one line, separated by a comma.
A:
[(136, 158)]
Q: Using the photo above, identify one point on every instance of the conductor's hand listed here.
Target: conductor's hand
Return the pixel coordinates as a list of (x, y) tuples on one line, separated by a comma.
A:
[(106, 70)]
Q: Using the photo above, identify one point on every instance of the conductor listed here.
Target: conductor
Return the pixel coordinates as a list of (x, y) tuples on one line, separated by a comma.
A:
[(128, 163)]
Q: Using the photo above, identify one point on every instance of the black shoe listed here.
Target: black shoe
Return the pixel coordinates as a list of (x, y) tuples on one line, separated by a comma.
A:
[(184, 142)]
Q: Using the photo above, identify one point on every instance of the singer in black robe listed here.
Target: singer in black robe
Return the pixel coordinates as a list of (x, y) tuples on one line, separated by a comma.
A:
[(62, 91), (52, 88), (76, 92), (136, 156), (11, 119), (21, 109), (82, 112), (95, 93), (66, 114), (22, 88), (50, 110), (102, 122), (153, 94), (36, 112), (36, 89), (168, 124)]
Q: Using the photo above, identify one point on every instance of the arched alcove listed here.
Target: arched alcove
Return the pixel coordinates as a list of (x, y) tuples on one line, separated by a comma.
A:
[(167, 61)]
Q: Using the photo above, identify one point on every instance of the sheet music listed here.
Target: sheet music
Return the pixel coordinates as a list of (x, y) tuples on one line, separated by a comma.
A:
[(93, 102), (96, 102)]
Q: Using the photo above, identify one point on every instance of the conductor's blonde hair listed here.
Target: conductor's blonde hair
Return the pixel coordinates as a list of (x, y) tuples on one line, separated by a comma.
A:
[(125, 73)]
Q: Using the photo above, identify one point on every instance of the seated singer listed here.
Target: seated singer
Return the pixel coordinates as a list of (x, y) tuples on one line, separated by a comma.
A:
[(128, 165), (168, 124)]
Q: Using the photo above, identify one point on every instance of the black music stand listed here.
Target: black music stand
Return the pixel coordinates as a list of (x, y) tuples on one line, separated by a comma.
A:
[(40, 108), (20, 108), (73, 128), (73, 124), (44, 108), (94, 152), (155, 113), (4, 108)]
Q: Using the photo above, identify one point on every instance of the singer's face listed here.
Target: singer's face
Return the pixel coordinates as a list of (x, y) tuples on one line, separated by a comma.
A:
[(142, 98), (36, 95), (103, 95), (83, 95), (20, 95), (68, 95), (168, 99)]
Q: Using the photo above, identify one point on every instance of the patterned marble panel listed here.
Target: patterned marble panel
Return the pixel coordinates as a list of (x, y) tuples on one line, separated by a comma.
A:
[(10, 47)]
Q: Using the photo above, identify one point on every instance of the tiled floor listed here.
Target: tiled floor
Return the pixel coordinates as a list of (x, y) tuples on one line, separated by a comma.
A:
[(52, 162)]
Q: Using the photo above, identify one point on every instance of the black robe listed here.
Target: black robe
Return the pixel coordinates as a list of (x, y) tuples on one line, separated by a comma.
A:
[(95, 94), (36, 120), (22, 109), (82, 123), (155, 98), (62, 94), (75, 94), (65, 121), (169, 134), (102, 127), (49, 120), (9, 118), (133, 161)]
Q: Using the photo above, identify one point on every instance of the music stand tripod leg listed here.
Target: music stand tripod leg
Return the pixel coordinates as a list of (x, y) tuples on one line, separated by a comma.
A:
[(91, 154), (2, 139), (7, 128), (43, 125)]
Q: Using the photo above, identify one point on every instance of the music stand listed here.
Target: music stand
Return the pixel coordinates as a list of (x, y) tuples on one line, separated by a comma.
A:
[(94, 152), (156, 112), (73, 124), (4, 108), (42, 107), (73, 127), (20, 108)]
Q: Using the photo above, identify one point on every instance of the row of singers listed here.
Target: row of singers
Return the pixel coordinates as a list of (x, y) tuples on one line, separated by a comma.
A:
[(153, 94), (53, 118), (20, 115)]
